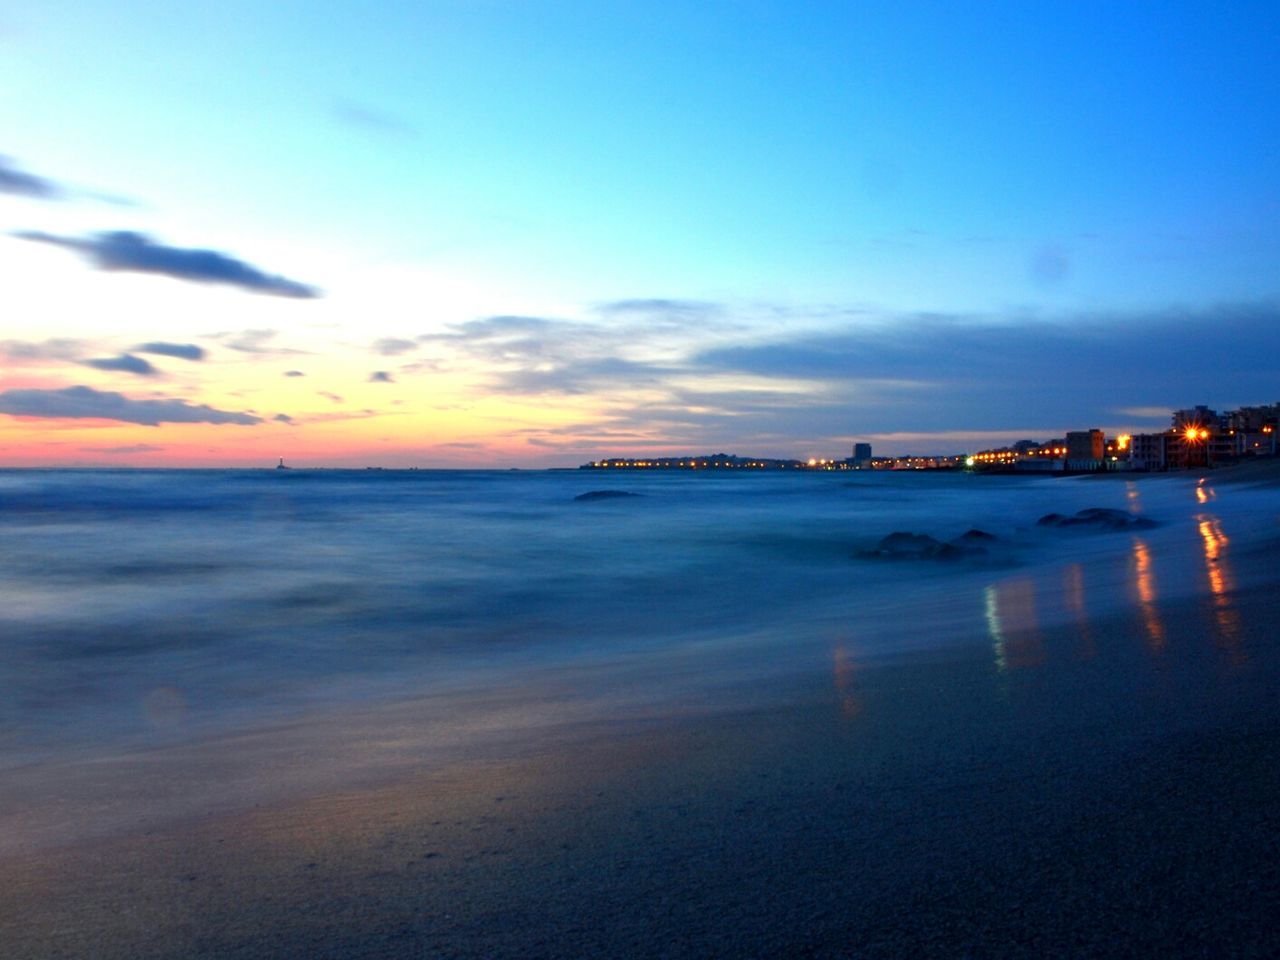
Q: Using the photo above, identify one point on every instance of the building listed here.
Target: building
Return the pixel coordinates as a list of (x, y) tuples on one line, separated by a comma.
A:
[(1185, 449), (1254, 429), (1086, 450), (1200, 417), (861, 456), (1152, 451)]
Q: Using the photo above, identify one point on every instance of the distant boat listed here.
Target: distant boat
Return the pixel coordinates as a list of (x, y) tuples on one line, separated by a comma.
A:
[(281, 466)]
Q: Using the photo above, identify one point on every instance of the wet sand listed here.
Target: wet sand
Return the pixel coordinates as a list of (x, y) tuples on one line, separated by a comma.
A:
[(1087, 793)]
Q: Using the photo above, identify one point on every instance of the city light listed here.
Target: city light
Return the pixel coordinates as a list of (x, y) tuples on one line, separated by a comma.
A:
[(1199, 437)]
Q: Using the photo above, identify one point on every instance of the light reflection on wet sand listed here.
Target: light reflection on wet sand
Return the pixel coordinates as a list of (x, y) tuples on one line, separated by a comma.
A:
[(1221, 584), (1012, 622), (1017, 611), (844, 670), (1133, 494), (1144, 582), (1073, 591)]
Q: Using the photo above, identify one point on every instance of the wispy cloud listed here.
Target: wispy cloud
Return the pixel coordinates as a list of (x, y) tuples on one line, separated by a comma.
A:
[(254, 341), (80, 403), (127, 251), (380, 376), (342, 415), (125, 363), (393, 346), (925, 382), (1010, 355), (660, 306), (514, 337), (16, 181), (372, 120), (663, 374), (1145, 413), (535, 355), (585, 376), (182, 351), (126, 449), (941, 373), (58, 348), (19, 182), (294, 373)]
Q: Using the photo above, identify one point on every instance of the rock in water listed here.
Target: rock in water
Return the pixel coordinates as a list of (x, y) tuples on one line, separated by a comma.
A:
[(920, 546), (900, 544), (604, 495), (1097, 518)]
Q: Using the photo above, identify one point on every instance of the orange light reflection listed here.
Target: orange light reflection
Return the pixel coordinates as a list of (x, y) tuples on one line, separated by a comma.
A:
[(1144, 582), (1221, 582), (844, 668)]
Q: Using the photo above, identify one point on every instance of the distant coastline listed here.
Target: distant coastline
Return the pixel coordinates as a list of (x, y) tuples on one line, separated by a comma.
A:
[(1198, 437)]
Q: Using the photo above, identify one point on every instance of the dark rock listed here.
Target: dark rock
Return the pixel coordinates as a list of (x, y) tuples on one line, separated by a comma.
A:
[(920, 546), (604, 495), (1051, 520), (1097, 518), (908, 544), (975, 536)]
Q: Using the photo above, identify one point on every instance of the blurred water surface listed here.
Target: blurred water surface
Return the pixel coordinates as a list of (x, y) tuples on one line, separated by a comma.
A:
[(144, 606)]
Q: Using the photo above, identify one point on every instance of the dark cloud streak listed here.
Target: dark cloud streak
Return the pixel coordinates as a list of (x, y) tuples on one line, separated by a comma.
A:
[(393, 346), (182, 351), (937, 373), (128, 448), (85, 403), (20, 183), (255, 341), (52, 349), (583, 376), (130, 252), (125, 363)]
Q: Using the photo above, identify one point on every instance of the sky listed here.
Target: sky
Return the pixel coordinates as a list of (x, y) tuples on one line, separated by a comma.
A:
[(502, 233)]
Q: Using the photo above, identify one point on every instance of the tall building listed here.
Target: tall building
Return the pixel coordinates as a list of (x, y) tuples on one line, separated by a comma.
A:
[(1199, 416), (1086, 449), (861, 455)]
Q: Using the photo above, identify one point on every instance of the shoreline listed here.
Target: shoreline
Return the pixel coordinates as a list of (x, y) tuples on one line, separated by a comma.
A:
[(1096, 793)]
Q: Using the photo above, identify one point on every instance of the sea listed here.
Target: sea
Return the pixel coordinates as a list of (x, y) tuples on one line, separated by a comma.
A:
[(147, 608)]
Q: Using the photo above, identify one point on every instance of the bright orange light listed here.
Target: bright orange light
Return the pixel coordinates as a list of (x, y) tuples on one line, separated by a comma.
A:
[(1192, 434), (1123, 441)]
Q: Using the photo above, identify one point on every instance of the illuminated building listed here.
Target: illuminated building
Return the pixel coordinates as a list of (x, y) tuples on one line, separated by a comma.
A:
[(1086, 450), (1254, 430), (1198, 437)]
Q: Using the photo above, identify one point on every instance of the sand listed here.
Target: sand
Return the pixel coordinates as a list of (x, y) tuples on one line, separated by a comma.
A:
[(1098, 797)]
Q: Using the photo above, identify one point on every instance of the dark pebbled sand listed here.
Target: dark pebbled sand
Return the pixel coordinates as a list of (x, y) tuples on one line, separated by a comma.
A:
[(1103, 799)]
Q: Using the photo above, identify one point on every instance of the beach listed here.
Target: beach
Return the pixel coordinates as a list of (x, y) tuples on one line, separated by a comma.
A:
[(1070, 751)]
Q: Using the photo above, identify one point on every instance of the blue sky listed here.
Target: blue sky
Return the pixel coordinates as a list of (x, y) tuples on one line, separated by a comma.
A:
[(751, 225)]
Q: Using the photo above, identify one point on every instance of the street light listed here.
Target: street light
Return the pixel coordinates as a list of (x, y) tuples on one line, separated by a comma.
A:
[(1193, 435)]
